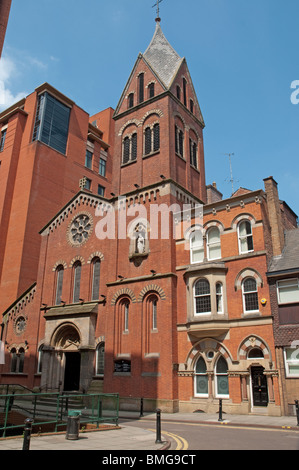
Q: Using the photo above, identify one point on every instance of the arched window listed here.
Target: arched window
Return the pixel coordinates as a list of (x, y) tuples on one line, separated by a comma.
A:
[(153, 306), (193, 153), (250, 295), (201, 383), (245, 237), (151, 90), (141, 87), (255, 353), (179, 141), (185, 91), (100, 359), (129, 148), (13, 360), (196, 247), (152, 139), (76, 281), (131, 100), (221, 374), (58, 283), (126, 312), (219, 297), (40, 359), (202, 297), (213, 243), (95, 288)]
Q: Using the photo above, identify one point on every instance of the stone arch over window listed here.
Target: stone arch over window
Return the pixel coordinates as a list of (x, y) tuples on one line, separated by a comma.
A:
[(156, 112), (240, 217), (95, 254), (153, 289), (76, 259), (247, 273), (253, 342), (59, 263), (121, 293), (210, 349), (127, 124)]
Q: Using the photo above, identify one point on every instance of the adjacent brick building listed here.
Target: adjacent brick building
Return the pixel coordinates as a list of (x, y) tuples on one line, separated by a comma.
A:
[(156, 288), (283, 277), (4, 15)]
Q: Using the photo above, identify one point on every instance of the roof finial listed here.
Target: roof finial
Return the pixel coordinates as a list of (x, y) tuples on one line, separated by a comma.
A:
[(158, 19)]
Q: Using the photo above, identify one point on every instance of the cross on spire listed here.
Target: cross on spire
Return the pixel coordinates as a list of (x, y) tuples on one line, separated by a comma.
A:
[(157, 5)]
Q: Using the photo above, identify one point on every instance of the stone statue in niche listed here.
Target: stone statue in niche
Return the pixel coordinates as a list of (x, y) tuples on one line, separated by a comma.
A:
[(140, 239), (139, 246)]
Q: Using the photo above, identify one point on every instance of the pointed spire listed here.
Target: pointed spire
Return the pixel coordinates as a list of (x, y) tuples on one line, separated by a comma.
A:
[(161, 56)]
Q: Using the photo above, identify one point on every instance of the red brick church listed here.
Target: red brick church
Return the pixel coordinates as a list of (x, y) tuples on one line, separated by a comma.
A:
[(108, 282)]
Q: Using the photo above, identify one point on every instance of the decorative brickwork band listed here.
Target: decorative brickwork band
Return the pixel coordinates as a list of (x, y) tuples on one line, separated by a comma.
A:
[(152, 288), (253, 342), (121, 292)]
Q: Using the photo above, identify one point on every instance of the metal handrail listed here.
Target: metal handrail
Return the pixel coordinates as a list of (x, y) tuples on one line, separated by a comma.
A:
[(92, 413)]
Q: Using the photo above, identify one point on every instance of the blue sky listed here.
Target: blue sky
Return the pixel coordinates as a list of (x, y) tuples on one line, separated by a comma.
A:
[(242, 56)]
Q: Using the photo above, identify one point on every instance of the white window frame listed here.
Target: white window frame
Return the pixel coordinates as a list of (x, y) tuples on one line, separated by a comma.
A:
[(213, 244), (198, 246), (244, 237), (289, 362), (202, 295), (220, 294), (251, 292), (293, 282)]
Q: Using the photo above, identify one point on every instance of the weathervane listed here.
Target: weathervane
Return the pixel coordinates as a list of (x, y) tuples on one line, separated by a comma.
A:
[(158, 9)]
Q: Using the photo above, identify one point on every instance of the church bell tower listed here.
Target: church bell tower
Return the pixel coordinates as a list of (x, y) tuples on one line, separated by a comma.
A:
[(159, 124)]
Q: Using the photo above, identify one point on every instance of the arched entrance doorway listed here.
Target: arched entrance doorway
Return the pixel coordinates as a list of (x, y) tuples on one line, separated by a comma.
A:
[(67, 342)]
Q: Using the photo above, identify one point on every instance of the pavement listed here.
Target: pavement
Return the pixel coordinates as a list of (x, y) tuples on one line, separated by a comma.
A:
[(133, 438)]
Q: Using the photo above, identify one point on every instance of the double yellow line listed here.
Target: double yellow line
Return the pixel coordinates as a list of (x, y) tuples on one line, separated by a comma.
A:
[(181, 443)]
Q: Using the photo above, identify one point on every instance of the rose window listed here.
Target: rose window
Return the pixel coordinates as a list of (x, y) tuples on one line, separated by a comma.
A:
[(80, 229)]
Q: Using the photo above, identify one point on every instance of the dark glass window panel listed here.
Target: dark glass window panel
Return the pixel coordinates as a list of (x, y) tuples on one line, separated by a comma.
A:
[(131, 100), (52, 123), (249, 285), (181, 143), (185, 91), (202, 287), (126, 155), (59, 284), (96, 279), (201, 367), (151, 90), (134, 146), (203, 304), (148, 141), (2, 142), (141, 88), (102, 167), (251, 302), (77, 282), (88, 159), (156, 137), (221, 366)]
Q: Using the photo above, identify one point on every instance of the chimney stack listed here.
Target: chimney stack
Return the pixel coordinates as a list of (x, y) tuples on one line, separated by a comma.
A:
[(274, 213)]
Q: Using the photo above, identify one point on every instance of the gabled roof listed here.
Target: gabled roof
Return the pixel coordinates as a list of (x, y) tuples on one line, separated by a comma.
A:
[(289, 259), (162, 58)]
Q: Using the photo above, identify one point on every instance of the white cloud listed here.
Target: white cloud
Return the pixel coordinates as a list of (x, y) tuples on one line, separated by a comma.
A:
[(7, 70)]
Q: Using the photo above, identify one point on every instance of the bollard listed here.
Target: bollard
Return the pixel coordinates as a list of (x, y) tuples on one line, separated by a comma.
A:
[(220, 410), (158, 427), (297, 411), (27, 433), (141, 407)]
